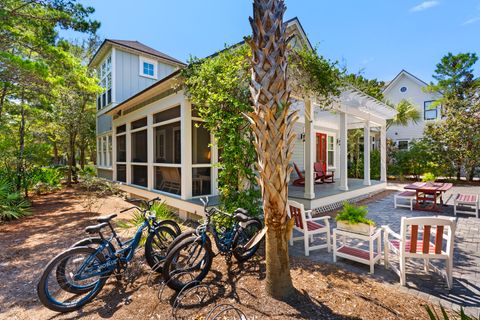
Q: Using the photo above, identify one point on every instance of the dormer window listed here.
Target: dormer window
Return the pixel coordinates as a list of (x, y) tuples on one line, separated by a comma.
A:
[(105, 76), (148, 68)]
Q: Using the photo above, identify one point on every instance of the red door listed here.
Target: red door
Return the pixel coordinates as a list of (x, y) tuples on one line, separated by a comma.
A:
[(322, 150)]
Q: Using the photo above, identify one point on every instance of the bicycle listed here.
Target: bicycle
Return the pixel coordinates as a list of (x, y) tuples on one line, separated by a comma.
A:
[(73, 278), (192, 257)]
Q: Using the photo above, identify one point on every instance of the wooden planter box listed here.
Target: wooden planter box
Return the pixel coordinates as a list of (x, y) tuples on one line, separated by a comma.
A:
[(360, 228)]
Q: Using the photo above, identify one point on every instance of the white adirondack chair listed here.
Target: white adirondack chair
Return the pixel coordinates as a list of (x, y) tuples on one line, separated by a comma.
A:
[(309, 226), (407, 244)]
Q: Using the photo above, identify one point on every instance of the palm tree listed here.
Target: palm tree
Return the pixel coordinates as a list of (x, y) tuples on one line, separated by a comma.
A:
[(272, 126), (406, 112)]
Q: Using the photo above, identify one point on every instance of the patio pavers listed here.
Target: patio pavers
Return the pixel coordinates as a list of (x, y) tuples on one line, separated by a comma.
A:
[(432, 287)]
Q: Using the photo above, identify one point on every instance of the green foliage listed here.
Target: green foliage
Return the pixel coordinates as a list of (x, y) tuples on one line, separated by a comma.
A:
[(311, 74), (12, 204), (47, 179), (353, 214), (428, 177), (99, 187), (433, 315), (375, 158), (218, 89), (88, 171), (372, 87), (406, 113)]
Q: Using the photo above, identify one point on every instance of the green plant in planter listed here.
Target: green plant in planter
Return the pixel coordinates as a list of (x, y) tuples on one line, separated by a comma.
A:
[(428, 177), (353, 214)]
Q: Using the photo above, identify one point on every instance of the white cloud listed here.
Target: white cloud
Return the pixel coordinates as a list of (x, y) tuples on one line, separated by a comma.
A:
[(424, 6), (470, 21)]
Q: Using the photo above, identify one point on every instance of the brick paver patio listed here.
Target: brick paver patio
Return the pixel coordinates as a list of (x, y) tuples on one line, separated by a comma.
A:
[(431, 286)]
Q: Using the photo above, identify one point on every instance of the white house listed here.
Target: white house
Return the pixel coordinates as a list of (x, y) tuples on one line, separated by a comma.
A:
[(406, 86), (151, 141)]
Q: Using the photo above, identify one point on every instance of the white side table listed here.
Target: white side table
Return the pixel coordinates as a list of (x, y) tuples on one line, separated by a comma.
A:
[(368, 257)]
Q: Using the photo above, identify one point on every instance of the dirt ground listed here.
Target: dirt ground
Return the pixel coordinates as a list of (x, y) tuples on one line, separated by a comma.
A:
[(322, 291)]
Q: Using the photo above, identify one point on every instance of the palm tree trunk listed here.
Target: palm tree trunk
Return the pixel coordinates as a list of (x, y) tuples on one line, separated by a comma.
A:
[(272, 126)]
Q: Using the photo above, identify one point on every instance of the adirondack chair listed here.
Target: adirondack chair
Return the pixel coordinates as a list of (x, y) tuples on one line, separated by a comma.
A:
[(300, 181), (408, 245), (309, 226), (321, 175)]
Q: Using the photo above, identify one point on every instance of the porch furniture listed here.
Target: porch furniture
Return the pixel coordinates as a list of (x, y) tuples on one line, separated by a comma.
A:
[(409, 196), (300, 181), (429, 192), (408, 245), (355, 253), (308, 226), (171, 180), (321, 175), (469, 201)]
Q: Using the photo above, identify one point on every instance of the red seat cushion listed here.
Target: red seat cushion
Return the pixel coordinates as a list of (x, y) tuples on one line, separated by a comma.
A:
[(396, 244), (407, 194), (311, 225), (472, 198)]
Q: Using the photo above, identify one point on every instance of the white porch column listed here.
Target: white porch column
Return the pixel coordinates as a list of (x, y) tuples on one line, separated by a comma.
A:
[(150, 152), (366, 154), (383, 153), (186, 148), (309, 192), (114, 153), (128, 146), (343, 152)]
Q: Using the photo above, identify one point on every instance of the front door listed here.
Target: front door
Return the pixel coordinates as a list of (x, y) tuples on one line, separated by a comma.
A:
[(322, 150)]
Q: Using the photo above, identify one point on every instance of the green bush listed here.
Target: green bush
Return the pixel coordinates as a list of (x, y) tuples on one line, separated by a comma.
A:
[(100, 187), (46, 179), (12, 204), (428, 177), (88, 171), (353, 214), (432, 314)]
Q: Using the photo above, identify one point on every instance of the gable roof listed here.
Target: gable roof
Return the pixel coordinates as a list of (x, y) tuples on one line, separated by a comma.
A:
[(133, 45), (407, 74)]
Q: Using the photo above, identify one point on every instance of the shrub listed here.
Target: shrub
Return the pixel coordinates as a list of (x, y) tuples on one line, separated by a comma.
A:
[(353, 214), (432, 314), (12, 204), (428, 177), (100, 187), (88, 171), (46, 179)]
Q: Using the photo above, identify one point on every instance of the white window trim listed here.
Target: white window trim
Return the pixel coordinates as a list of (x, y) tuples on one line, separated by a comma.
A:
[(403, 140), (155, 68), (104, 158)]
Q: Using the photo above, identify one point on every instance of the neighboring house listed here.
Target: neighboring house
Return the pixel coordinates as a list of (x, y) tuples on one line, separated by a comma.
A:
[(406, 86), (155, 142)]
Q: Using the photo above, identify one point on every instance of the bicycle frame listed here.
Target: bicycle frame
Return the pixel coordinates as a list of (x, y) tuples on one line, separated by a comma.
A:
[(208, 227)]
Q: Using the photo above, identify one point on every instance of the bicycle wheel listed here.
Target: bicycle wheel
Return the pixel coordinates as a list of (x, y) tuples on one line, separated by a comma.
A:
[(172, 225), (242, 237), (63, 279), (187, 263), (81, 262), (156, 246), (180, 238)]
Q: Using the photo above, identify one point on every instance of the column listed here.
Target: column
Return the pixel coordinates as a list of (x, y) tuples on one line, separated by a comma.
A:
[(114, 153), (309, 191), (343, 152), (214, 161), (186, 147), (366, 154), (150, 152), (383, 154)]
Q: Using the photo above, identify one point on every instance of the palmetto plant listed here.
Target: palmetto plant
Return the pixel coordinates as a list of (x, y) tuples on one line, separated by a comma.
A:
[(12, 204), (461, 315), (406, 113), (272, 126)]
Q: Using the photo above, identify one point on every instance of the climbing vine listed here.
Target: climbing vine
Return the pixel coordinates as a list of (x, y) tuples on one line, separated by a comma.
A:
[(218, 89)]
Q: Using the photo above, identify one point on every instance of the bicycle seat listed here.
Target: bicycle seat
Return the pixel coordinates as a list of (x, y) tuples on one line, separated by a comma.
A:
[(241, 215), (106, 218), (95, 228)]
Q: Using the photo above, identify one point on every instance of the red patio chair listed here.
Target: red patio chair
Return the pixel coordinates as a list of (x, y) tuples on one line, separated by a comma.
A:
[(301, 179), (320, 174)]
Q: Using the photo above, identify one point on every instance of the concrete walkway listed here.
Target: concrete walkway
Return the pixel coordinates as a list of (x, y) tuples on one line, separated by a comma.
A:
[(431, 286)]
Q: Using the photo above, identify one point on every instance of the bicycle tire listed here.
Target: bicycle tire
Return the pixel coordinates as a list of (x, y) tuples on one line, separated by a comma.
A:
[(154, 239), (205, 264), (42, 287), (172, 225), (241, 256)]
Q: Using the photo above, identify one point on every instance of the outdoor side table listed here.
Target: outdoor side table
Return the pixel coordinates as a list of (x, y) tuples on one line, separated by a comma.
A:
[(355, 253)]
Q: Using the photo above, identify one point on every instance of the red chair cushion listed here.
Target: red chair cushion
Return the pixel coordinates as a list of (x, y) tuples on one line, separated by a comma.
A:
[(311, 225), (396, 244)]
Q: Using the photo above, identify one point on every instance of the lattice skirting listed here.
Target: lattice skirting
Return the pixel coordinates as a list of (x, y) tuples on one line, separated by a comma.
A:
[(339, 204)]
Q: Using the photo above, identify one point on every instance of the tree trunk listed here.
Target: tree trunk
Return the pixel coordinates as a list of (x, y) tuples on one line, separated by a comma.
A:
[(272, 126), (3, 95), (21, 151), (55, 153), (82, 156), (72, 164)]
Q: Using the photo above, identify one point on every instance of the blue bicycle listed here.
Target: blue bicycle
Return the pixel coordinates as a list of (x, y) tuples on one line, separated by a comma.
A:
[(76, 276)]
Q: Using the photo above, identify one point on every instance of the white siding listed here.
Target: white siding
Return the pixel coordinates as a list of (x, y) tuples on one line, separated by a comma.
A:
[(417, 97)]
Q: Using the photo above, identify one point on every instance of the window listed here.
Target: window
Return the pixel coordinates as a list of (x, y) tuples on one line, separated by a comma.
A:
[(139, 146), (104, 151), (201, 181), (121, 173), (148, 68), (121, 148), (331, 151), (166, 115), (167, 144), (140, 176), (403, 89), (105, 76), (201, 153), (403, 145), (138, 124), (168, 179), (430, 111)]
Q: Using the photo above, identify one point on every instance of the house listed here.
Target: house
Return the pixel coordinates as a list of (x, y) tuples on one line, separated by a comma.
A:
[(406, 86), (151, 140)]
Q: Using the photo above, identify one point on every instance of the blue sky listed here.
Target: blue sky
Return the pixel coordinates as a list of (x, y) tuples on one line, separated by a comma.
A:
[(380, 37)]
